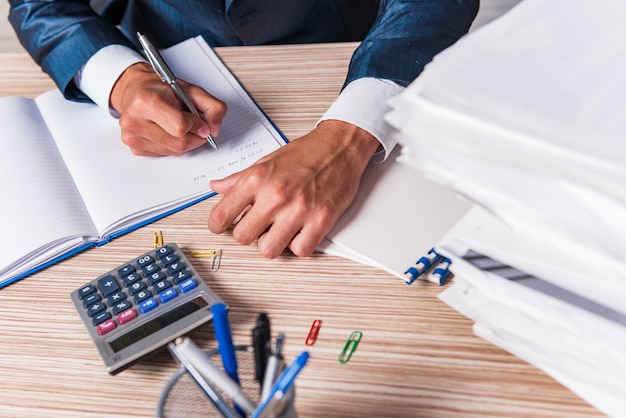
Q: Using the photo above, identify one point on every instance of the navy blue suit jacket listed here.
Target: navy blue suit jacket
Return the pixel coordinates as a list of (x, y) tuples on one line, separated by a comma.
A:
[(398, 37)]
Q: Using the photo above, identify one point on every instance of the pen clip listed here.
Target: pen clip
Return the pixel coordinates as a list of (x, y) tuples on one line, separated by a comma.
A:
[(158, 64)]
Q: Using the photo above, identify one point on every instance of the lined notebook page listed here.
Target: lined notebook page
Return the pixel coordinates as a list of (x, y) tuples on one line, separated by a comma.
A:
[(121, 189), (40, 203)]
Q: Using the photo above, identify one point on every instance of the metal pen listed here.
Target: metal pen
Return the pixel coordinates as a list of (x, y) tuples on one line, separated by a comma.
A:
[(167, 76)]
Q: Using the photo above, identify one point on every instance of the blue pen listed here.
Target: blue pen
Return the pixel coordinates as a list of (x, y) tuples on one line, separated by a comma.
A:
[(225, 340), (285, 381)]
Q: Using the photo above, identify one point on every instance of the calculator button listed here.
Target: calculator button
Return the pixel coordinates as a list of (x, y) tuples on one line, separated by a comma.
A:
[(108, 285), (174, 267), (101, 317), (169, 259), (167, 295), (141, 296), (187, 285), (149, 269), (180, 276), (147, 305), (155, 277), (144, 261), (91, 299), (86, 291), (95, 309), (121, 306), (163, 251), (126, 316), (126, 270), (107, 326), (131, 278), (160, 286), (136, 287), (116, 297)]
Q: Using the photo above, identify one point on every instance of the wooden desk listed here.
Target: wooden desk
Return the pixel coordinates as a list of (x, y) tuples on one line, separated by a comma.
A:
[(417, 358)]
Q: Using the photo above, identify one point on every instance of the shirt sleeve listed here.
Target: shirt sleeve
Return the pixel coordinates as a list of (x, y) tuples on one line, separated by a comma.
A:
[(98, 76), (363, 103)]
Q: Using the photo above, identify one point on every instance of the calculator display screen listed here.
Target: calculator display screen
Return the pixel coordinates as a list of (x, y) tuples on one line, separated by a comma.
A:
[(157, 324)]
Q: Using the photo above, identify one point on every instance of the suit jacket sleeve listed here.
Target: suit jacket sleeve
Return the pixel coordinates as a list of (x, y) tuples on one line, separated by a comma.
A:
[(407, 34), (61, 36)]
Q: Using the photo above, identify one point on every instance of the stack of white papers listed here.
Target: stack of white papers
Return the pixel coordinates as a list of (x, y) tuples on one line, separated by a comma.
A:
[(524, 116)]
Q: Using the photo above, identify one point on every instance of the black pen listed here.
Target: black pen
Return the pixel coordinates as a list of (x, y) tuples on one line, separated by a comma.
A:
[(261, 336), (167, 76)]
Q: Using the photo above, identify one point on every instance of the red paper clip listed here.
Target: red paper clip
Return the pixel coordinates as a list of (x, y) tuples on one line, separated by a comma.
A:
[(315, 329)]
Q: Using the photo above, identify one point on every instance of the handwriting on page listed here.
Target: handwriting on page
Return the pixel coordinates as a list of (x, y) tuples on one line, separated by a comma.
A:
[(243, 157)]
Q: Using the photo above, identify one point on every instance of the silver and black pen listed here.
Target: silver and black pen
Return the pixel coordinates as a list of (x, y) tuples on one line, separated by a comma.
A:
[(167, 76)]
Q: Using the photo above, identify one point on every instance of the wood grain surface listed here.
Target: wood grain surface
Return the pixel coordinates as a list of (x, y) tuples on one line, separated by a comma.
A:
[(417, 358)]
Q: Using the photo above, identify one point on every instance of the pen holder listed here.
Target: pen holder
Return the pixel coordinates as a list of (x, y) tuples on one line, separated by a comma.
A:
[(182, 398)]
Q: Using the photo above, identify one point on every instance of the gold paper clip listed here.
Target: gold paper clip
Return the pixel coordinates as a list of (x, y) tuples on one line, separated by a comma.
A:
[(158, 239), (215, 255), (315, 329), (350, 346)]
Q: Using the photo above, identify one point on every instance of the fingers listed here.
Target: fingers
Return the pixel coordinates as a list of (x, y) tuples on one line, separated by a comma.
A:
[(153, 119)]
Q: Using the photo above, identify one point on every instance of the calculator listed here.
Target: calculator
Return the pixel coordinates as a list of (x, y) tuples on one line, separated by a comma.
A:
[(142, 305)]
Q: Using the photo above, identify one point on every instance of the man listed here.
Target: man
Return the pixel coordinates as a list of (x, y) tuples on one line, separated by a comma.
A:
[(293, 197)]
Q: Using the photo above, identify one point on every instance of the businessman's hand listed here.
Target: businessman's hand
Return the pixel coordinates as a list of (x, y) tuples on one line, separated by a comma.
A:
[(293, 197), (151, 118)]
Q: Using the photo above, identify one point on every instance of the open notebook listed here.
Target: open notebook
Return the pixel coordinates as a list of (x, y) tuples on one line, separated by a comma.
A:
[(69, 182)]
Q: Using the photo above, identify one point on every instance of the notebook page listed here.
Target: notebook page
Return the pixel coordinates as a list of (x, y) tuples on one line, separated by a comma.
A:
[(42, 213), (121, 189)]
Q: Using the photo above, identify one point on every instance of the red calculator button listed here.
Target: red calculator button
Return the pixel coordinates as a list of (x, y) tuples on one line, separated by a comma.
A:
[(106, 326), (127, 315)]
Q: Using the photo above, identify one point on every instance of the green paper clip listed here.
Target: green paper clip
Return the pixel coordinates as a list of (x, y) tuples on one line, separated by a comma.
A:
[(350, 346)]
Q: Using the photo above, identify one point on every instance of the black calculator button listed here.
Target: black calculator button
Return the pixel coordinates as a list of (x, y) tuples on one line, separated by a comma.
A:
[(136, 287), (169, 259), (148, 269), (167, 295), (96, 308), (187, 285), (160, 286), (141, 296), (126, 270), (121, 306), (180, 276), (106, 326), (144, 261), (131, 278), (108, 285), (147, 305), (174, 267), (155, 277), (162, 251), (86, 291), (126, 316), (116, 297), (91, 299), (101, 317)]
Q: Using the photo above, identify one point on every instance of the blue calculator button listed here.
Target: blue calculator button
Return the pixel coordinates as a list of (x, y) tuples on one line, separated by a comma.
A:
[(167, 295), (108, 285), (187, 285), (86, 291), (91, 299), (147, 305)]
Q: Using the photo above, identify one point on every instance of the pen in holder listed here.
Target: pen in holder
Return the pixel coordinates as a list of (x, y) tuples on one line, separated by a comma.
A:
[(183, 397)]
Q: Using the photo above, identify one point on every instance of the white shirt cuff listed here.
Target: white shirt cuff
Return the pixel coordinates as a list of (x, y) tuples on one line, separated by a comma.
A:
[(363, 103), (98, 76)]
